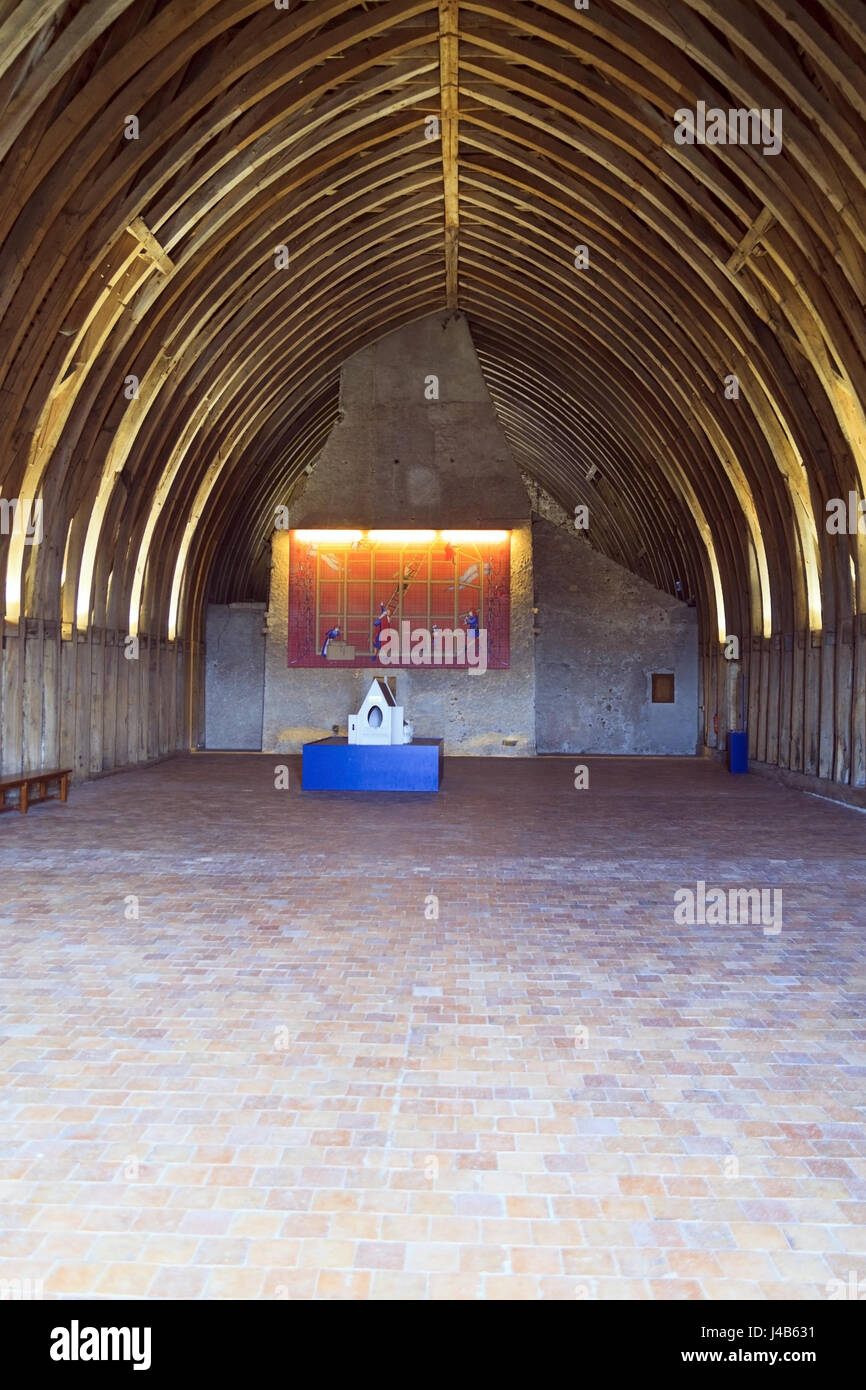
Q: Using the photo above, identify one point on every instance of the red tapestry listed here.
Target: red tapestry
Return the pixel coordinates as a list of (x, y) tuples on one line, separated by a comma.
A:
[(365, 602)]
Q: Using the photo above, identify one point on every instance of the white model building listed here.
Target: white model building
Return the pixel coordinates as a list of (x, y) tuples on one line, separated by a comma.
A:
[(380, 718)]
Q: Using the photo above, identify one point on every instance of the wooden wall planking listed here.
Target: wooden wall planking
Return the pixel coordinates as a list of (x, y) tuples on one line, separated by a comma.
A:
[(78, 701)]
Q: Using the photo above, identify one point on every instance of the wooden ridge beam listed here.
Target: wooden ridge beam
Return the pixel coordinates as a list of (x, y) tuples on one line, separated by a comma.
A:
[(449, 43)]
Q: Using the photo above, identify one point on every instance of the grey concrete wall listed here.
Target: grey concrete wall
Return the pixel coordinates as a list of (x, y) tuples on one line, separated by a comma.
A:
[(234, 676), (602, 633), (396, 459)]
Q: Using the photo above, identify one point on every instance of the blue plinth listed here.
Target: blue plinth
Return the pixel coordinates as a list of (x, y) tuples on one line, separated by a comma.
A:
[(738, 751), (335, 765)]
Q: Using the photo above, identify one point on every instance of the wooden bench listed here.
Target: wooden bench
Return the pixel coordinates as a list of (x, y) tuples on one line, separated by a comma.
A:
[(23, 782)]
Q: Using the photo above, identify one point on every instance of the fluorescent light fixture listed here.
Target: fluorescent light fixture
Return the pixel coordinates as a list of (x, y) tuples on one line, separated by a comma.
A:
[(475, 537), (329, 537), (403, 537), (388, 537)]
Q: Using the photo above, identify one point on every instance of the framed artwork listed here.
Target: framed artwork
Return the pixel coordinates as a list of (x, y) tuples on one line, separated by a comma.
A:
[(399, 598)]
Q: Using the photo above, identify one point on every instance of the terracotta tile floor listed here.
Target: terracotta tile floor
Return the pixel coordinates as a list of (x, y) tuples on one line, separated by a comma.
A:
[(284, 1080)]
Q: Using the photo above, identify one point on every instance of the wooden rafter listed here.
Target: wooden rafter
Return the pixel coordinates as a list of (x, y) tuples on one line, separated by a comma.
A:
[(449, 43)]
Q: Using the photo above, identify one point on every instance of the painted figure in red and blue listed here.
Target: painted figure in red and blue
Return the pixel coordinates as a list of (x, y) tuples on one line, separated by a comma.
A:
[(380, 625)]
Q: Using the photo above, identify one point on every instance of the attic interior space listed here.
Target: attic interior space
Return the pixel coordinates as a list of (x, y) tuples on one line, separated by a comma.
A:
[(433, 616)]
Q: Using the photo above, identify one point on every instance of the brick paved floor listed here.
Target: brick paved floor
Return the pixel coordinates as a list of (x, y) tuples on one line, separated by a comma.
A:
[(284, 1080)]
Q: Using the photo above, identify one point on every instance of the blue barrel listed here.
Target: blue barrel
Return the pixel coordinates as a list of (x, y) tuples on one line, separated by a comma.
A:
[(738, 750)]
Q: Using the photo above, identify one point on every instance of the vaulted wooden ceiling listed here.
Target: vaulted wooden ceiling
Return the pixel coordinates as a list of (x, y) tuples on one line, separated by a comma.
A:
[(165, 382)]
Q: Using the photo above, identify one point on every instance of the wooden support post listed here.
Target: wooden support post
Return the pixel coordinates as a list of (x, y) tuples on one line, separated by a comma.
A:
[(774, 649), (858, 710), (843, 689), (798, 710), (812, 703), (786, 685), (827, 678)]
